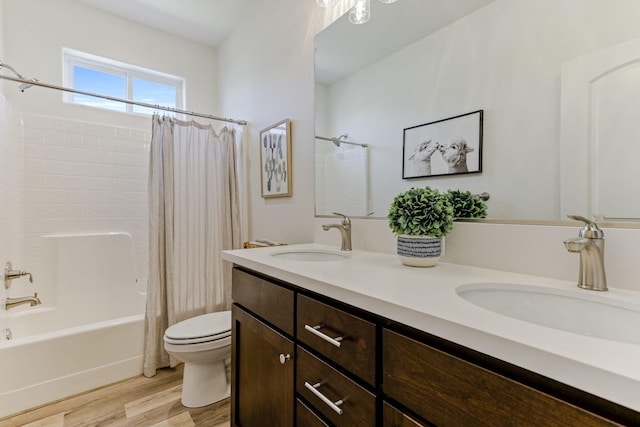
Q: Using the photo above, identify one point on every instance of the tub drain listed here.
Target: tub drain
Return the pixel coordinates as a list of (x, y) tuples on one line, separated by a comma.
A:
[(6, 334)]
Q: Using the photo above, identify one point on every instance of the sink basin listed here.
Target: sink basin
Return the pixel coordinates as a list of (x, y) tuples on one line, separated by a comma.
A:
[(579, 312), (310, 255)]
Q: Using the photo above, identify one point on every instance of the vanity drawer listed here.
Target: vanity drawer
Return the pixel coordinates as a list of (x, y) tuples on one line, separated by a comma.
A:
[(319, 324), (393, 417), (358, 407), (449, 391), (266, 299), (306, 418)]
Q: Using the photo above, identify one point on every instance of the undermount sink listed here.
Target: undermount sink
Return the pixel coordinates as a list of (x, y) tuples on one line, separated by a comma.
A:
[(310, 255), (579, 312)]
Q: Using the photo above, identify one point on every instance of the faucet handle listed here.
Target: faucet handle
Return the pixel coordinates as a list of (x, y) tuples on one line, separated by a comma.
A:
[(590, 229), (345, 219), (10, 274)]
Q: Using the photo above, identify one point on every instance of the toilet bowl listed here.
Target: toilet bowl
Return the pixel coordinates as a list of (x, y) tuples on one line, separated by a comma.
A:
[(203, 343)]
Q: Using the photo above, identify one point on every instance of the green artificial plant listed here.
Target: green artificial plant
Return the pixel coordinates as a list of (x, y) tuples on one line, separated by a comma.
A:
[(466, 205), (421, 212)]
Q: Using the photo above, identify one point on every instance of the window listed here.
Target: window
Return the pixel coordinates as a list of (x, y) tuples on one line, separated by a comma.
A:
[(90, 73)]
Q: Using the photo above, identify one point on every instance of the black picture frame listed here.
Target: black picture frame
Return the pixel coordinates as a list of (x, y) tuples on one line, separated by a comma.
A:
[(451, 146)]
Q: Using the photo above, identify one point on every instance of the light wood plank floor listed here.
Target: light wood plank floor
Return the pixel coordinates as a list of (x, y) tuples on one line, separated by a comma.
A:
[(139, 401)]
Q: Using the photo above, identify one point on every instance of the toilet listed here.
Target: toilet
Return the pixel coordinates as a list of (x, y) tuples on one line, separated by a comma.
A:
[(203, 343)]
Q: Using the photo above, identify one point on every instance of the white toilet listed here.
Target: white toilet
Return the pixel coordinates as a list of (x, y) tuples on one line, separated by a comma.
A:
[(203, 343)]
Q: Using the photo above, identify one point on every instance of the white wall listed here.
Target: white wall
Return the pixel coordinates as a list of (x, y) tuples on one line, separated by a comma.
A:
[(37, 30), (11, 197), (4, 160), (77, 169), (506, 59), (265, 75)]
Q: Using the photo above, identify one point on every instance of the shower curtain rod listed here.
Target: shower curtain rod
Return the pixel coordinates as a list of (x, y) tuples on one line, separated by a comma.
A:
[(338, 141), (126, 101)]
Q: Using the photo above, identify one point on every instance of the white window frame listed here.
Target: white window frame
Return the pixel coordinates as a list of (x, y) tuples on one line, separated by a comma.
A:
[(72, 57)]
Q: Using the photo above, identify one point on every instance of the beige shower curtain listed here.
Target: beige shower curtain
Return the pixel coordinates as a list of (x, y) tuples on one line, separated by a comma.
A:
[(194, 214)]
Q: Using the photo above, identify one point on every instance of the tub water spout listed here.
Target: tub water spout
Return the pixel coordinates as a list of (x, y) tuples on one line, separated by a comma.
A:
[(15, 302)]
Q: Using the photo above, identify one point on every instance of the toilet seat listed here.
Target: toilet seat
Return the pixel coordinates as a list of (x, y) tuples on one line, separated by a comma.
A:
[(200, 329)]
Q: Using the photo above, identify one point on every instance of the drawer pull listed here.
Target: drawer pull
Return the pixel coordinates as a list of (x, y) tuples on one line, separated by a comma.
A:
[(333, 405), (316, 331)]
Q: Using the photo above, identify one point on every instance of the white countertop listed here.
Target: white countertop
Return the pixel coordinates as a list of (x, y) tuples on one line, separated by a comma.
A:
[(426, 299)]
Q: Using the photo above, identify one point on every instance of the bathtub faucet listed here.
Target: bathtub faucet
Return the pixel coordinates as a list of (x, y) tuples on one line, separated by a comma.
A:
[(10, 274), (14, 302)]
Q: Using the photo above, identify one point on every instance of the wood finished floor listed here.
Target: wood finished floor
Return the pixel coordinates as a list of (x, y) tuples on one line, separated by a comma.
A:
[(139, 401)]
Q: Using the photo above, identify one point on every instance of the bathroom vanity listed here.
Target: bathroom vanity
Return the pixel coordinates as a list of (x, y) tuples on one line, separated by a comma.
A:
[(364, 341)]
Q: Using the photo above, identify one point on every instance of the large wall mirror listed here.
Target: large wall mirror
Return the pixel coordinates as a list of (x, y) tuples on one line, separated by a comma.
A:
[(555, 140)]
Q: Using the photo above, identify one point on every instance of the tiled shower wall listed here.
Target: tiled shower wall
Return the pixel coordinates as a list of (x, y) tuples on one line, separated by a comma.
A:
[(11, 180), (83, 178), (4, 177)]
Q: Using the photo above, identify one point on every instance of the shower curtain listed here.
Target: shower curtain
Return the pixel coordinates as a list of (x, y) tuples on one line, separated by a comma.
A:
[(194, 214)]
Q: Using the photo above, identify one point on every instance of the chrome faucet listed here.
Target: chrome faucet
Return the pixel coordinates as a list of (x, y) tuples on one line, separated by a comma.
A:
[(345, 231), (14, 302), (10, 274), (590, 245)]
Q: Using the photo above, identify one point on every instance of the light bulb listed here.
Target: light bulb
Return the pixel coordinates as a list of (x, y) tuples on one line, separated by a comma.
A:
[(360, 13), (388, 1), (325, 3)]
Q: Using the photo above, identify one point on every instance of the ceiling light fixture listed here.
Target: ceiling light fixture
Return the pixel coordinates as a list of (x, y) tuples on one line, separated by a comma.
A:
[(326, 3), (361, 12)]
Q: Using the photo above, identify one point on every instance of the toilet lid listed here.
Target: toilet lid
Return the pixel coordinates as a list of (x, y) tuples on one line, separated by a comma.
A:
[(210, 326)]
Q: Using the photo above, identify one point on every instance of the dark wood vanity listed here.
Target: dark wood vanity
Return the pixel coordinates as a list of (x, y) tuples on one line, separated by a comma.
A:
[(302, 359)]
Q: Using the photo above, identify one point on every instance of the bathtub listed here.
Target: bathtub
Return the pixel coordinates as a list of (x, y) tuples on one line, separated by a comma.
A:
[(87, 333)]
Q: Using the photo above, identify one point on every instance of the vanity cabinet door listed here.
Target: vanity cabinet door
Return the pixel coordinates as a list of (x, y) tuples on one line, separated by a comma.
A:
[(318, 324), (262, 386), (446, 390), (340, 400)]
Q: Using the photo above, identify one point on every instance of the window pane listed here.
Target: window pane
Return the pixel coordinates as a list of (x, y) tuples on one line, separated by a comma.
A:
[(102, 83), (152, 93)]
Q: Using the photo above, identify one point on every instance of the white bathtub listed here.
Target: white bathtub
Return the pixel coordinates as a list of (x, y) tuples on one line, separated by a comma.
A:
[(87, 333)]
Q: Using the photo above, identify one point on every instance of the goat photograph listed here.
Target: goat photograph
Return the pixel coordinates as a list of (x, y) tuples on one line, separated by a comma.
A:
[(449, 146)]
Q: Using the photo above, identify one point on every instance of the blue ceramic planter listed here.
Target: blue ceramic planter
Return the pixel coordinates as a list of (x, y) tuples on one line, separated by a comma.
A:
[(419, 251)]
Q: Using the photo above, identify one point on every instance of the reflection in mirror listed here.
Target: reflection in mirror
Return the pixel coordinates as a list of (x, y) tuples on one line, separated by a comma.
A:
[(343, 185), (504, 57), (599, 105)]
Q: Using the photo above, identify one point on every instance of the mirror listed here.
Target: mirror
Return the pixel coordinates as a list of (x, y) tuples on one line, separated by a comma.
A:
[(504, 57)]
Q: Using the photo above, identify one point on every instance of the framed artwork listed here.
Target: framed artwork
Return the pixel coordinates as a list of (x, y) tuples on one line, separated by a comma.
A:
[(449, 146), (275, 160)]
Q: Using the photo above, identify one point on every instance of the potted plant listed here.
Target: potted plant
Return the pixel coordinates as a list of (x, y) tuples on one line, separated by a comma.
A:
[(466, 205), (420, 217)]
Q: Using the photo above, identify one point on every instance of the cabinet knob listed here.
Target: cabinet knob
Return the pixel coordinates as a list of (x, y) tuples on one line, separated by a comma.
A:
[(284, 358)]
